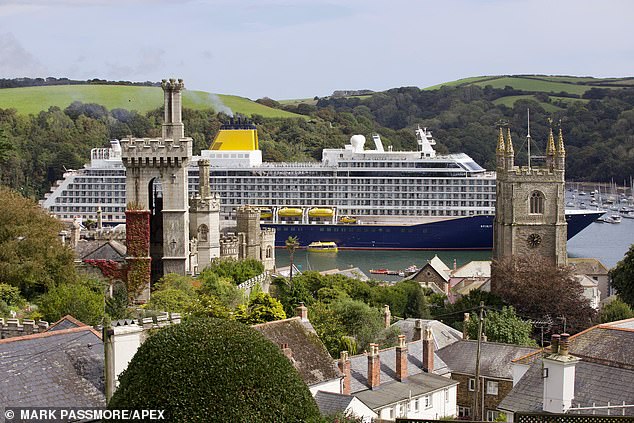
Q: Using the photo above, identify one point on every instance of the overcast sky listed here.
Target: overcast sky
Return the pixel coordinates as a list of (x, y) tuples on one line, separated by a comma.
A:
[(302, 48)]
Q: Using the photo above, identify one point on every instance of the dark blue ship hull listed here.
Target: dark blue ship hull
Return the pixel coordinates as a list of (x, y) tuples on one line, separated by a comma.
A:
[(465, 233)]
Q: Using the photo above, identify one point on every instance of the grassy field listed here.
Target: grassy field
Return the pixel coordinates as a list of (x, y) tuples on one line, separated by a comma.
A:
[(296, 101), (510, 100), (31, 100), (529, 84), (463, 81)]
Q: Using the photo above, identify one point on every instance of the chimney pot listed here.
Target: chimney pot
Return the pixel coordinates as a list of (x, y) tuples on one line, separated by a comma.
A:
[(564, 344), (554, 344)]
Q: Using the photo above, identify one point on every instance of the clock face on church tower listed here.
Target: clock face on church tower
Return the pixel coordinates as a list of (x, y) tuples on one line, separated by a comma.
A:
[(534, 240)]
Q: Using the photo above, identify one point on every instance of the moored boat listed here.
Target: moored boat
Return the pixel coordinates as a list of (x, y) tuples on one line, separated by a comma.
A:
[(322, 247)]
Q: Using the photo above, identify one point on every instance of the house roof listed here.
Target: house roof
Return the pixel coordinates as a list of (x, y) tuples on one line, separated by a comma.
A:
[(330, 403), (309, 355), (587, 266), (395, 391), (495, 358), (61, 368), (594, 384), (353, 272), (586, 282), (65, 322), (359, 366), (100, 250), (475, 268), (443, 334)]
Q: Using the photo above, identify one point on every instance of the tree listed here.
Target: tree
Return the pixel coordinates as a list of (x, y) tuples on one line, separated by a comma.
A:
[(615, 310), (622, 277), (235, 375), (503, 326), (536, 288), (32, 257), (260, 309), (361, 321), (292, 244), (80, 300)]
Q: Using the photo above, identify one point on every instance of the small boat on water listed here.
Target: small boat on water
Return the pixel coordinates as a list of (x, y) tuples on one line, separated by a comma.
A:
[(379, 271), (613, 218), (322, 247), (347, 219)]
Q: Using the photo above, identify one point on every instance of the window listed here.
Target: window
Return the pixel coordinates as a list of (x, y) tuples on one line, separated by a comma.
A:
[(446, 395), (415, 405), (537, 203), (427, 401), (472, 384), (492, 415), (464, 411), (203, 230), (492, 388)]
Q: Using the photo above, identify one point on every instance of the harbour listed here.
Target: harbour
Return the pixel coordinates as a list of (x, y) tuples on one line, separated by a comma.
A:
[(608, 243)]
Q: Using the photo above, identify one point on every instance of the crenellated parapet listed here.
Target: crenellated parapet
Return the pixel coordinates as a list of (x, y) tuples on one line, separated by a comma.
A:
[(10, 328), (156, 152)]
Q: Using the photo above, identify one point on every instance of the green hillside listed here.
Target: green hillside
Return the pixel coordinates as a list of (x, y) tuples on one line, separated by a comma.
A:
[(32, 100)]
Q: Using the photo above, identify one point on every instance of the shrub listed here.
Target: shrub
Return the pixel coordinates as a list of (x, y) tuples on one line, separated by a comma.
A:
[(76, 299), (209, 370)]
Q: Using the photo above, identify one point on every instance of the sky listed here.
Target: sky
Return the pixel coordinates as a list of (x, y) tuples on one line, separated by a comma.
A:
[(286, 49)]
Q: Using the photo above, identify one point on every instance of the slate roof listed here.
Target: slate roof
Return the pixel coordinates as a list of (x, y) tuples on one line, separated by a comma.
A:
[(353, 272), (594, 383), (443, 334), (394, 391), (59, 368), (611, 343), (587, 266), (359, 366), (65, 322), (330, 403), (310, 357), (495, 358), (475, 268), (100, 250)]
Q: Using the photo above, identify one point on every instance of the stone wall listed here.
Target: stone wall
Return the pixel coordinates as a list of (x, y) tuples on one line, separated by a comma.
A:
[(10, 328)]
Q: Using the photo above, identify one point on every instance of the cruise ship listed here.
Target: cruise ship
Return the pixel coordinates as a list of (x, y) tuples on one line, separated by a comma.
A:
[(359, 198)]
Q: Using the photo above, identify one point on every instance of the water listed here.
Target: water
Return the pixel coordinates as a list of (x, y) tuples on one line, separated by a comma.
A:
[(607, 242)]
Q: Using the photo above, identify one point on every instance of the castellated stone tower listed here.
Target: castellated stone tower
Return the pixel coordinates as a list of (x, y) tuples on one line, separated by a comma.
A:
[(253, 242), (530, 204), (204, 218), (163, 160)]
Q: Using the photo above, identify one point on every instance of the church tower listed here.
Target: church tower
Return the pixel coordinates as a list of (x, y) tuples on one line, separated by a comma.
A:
[(530, 203)]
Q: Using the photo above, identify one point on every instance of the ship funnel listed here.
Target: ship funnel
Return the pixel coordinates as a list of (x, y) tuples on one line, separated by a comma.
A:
[(378, 143), (357, 142)]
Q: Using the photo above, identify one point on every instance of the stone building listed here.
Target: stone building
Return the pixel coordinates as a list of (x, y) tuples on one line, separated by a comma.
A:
[(165, 227), (530, 209)]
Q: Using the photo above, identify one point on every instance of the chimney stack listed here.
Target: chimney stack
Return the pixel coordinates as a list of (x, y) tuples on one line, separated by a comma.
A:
[(374, 367), (418, 330), (559, 376), (401, 359), (428, 350), (302, 312), (344, 366), (387, 316)]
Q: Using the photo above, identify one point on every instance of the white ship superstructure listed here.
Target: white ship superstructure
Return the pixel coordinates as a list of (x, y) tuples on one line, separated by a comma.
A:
[(350, 181), (100, 184)]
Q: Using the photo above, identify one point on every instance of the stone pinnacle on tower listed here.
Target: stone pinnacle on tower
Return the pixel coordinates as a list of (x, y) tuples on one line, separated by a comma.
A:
[(561, 151)]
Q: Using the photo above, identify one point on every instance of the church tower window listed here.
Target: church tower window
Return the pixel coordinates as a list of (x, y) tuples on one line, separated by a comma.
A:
[(537, 203), (203, 230)]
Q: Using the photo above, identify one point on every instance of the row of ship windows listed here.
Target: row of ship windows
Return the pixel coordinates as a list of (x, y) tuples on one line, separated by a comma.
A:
[(440, 165), (404, 197), (89, 200), (342, 190), (62, 209), (352, 181), (95, 186)]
